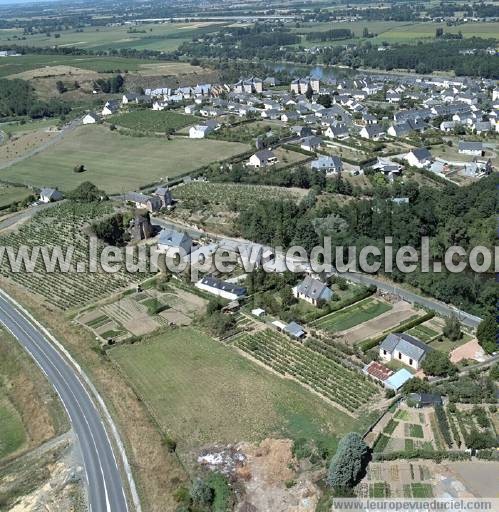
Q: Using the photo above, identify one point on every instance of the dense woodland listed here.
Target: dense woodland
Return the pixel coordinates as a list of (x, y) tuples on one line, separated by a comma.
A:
[(449, 216), (17, 98)]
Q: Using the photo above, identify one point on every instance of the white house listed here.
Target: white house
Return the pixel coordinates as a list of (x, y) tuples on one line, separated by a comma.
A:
[(419, 157), (404, 348), (90, 118), (470, 148), (311, 143), (313, 291), (200, 131), (111, 107), (330, 164), (262, 158), (215, 286), (372, 132), (49, 195)]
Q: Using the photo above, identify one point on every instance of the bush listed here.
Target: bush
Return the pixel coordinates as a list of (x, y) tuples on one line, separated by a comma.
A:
[(170, 443)]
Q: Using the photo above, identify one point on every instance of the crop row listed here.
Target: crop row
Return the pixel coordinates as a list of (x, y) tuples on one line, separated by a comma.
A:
[(330, 378), (63, 227)]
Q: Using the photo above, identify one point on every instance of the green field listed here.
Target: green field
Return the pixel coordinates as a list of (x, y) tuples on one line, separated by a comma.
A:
[(203, 392), (353, 315), (9, 195), (114, 162), (396, 31), (153, 121), (12, 435), (160, 36)]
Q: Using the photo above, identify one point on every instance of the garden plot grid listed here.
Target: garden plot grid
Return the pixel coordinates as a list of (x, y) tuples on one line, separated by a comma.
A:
[(63, 225)]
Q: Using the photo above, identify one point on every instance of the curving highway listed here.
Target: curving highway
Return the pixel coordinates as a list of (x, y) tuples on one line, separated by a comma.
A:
[(105, 488)]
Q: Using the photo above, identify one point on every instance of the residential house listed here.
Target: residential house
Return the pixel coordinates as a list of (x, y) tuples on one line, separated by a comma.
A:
[(111, 107), (311, 143), (330, 164), (313, 291), (173, 242), (404, 348), (419, 157), (200, 131), (424, 399), (143, 201), (215, 286), (91, 118), (372, 132), (263, 158), (470, 148), (337, 131), (50, 195)]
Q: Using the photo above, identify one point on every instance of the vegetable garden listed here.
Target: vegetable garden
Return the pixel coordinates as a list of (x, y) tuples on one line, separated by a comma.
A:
[(328, 374), (63, 226)]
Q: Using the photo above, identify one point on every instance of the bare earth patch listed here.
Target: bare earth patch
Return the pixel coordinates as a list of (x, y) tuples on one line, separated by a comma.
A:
[(53, 71), (267, 469), (400, 312), (19, 145)]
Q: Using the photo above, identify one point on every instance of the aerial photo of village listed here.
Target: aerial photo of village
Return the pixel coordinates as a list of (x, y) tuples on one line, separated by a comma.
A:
[(248, 255)]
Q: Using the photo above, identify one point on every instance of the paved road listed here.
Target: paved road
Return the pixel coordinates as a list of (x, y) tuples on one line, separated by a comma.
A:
[(365, 279), (105, 488)]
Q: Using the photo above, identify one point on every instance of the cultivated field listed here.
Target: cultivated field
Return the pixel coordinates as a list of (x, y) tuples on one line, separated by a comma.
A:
[(114, 162), (161, 36), (317, 365), (351, 316), (201, 193), (152, 121), (203, 392), (62, 226)]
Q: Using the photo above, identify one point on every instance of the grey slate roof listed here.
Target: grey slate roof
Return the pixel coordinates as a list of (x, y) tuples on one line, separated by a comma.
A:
[(422, 154), (314, 289), (294, 329), (214, 282), (470, 146), (174, 238), (407, 345)]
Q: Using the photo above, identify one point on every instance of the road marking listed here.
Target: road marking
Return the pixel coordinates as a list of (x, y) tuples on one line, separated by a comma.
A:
[(68, 388)]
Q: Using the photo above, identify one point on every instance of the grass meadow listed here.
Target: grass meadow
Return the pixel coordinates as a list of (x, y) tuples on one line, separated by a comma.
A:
[(153, 121), (201, 391), (114, 162)]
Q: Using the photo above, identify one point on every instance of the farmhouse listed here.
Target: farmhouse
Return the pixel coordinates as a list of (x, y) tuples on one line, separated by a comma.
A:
[(470, 148), (50, 195), (404, 348), (171, 240), (313, 291), (142, 201), (419, 157), (262, 158), (221, 288)]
